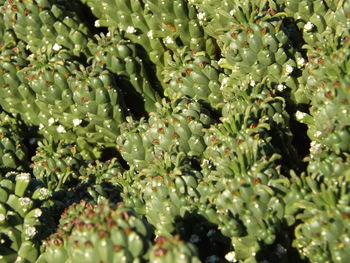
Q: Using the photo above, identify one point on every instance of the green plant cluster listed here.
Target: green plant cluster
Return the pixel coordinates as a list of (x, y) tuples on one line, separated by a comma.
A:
[(174, 131)]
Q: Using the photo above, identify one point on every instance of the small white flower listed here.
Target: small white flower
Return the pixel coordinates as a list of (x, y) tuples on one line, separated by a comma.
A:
[(300, 115), (289, 68), (130, 30), (318, 134), (315, 148), (252, 83), (281, 87), (150, 34), (300, 61), (30, 231), (25, 201), (51, 121), (56, 47), (169, 40), (41, 126), (308, 26), (43, 191), (61, 129), (76, 122), (38, 212), (201, 16), (221, 60), (231, 256), (2, 217), (97, 23), (23, 177)]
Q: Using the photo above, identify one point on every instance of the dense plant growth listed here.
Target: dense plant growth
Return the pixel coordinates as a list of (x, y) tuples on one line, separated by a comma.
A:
[(174, 131)]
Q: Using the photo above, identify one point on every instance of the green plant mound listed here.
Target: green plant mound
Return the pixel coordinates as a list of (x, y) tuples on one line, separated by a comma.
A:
[(221, 125), (95, 233)]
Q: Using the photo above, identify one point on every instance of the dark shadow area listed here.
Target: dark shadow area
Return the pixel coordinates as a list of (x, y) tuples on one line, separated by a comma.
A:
[(151, 70), (110, 152), (29, 137), (301, 140), (89, 192), (204, 235), (84, 13), (292, 31), (281, 251), (132, 99)]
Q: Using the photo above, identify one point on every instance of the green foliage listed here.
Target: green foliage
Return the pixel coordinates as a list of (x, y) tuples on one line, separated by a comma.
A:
[(193, 74), (122, 57), (172, 250), (25, 217), (46, 25), (13, 152), (164, 190), (178, 124), (94, 233), (322, 235), (56, 164), (224, 123)]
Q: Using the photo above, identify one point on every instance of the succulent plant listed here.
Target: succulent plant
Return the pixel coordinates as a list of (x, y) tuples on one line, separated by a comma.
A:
[(102, 172), (13, 151), (195, 75), (172, 249), (222, 125), (67, 101), (258, 108), (15, 97), (163, 191), (322, 234), (46, 24), (123, 58), (177, 124), (156, 25), (322, 23), (247, 198), (95, 233), (25, 217), (57, 164), (328, 125)]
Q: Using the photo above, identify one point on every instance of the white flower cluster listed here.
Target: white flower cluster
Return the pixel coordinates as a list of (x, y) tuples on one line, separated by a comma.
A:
[(289, 68), (23, 177), (77, 122), (130, 30), (300, 62), (30, 231), (308, 26), (300, 115), (61, 129), (315, 149), (281, 87), (231, 256), (25, 201)]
